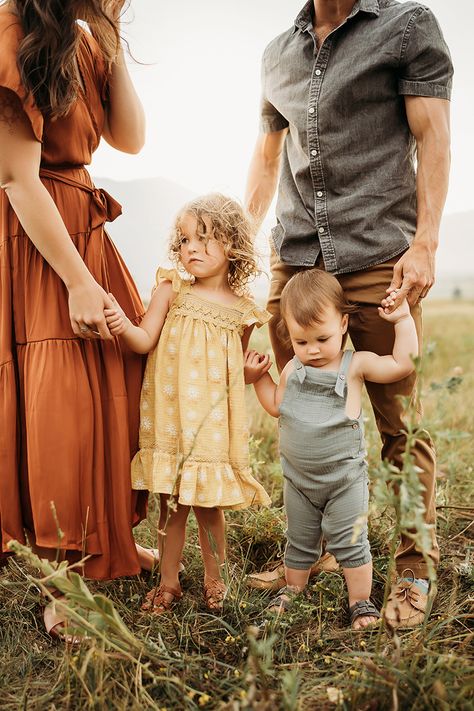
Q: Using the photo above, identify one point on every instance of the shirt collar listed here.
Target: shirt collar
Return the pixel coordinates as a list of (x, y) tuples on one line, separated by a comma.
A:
[(304, 20)]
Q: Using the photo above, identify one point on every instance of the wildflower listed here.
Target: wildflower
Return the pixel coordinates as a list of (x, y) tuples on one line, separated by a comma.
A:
[(236, 673), (362, 643), (243, 605), (327, 660), (204, 699), (243, 694), (206, 675), (191, 694), (353, 673)]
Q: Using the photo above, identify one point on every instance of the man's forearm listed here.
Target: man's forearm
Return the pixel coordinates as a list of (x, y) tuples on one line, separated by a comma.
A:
[(263, 174)]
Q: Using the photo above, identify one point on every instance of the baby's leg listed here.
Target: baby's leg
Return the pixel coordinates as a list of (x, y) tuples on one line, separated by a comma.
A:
[(171, 537), (211, 524), (345, 529), (303, 535)]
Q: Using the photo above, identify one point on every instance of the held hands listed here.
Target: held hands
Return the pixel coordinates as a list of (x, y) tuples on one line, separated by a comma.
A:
[(392, 309), (87, 303), (413, 275), (116, 320), (255, 365)]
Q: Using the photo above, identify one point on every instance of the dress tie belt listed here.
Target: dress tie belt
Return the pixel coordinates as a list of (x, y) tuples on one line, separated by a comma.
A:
[(104, 208)]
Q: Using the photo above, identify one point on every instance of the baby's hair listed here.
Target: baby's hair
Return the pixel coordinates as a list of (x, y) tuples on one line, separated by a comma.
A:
[(231, 226), (306, 297)]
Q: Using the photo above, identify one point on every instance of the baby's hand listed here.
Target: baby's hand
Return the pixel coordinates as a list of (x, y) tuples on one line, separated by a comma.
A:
[(255, 365), (116, 320), (401, 311)]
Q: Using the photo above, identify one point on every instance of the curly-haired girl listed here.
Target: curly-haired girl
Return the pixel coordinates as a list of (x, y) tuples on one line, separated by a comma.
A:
[(193, 430)]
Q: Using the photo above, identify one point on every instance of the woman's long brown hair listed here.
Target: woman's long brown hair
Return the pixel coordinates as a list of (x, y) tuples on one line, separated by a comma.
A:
[(47, 54)]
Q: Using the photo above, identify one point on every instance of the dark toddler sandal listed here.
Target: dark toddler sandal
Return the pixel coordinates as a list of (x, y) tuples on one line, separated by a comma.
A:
[(363, 608), (283, 600)]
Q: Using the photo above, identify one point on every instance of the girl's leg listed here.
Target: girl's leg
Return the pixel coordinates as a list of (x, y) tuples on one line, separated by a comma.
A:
[(171, 537), (211, 524), (359, 586)]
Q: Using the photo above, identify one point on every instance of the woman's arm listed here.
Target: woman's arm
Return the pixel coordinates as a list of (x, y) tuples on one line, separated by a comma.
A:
[(124, 127), (142, 338), (20, 157)]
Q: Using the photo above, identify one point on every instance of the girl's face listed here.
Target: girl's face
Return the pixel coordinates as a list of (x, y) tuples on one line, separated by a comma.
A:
[(319, 344), (201, 256)]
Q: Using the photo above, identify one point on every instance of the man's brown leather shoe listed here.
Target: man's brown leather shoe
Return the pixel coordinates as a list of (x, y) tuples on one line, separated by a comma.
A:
[(274, 579), (406, 603)]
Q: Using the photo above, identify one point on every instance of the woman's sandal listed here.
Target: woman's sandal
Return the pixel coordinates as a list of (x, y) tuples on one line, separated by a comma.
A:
[(214, 593), (56, 623), (156, 603), (363, 608)]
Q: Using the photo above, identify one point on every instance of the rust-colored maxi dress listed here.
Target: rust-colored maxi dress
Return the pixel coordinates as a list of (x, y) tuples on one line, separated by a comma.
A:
[(68, 407)]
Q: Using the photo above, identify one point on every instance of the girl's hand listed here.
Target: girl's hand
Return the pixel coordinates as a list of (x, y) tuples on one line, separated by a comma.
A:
[(116, 320), (255, 365), (86, 311), (401, 311)]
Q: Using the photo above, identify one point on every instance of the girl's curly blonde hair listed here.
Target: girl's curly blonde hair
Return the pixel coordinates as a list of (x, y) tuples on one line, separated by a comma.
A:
[(231, 226)]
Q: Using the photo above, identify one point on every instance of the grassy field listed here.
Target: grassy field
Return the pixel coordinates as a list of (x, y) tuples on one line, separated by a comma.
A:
[(311, 660)]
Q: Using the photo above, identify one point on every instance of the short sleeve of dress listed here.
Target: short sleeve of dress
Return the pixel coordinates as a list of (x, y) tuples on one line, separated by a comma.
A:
[(170, 275), (255, 316), (425, 63), (10, 36)]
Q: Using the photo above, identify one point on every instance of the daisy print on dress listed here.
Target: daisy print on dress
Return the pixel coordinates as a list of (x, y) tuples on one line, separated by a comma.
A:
[(196, 326)]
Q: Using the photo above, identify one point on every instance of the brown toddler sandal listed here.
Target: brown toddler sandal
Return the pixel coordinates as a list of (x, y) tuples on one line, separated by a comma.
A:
[(214, 593), (156, 603), (363, 608)]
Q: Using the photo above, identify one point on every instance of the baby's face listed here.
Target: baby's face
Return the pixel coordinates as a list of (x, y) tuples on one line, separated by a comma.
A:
[(319, 344), (201, 256)]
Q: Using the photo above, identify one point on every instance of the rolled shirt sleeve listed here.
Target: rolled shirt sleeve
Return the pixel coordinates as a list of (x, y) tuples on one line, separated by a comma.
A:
[(425, 62), (270, 118)]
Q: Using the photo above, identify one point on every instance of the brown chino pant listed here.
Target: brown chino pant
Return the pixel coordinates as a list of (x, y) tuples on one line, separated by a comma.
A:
[(369, 332)]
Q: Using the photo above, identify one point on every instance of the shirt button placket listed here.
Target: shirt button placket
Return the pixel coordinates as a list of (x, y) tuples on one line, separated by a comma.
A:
[(315, 162)]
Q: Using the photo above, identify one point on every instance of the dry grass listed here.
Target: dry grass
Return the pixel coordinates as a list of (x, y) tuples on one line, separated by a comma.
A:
[(309, 661)]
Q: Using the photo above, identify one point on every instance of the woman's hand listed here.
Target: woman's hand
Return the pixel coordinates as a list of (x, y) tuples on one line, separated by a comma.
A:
[(86, 311)]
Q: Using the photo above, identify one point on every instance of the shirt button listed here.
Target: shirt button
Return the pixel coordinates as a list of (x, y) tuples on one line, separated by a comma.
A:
[(318, 72), (314, 153), (321, 230), (355, 426), (319, 193), (311, 110)]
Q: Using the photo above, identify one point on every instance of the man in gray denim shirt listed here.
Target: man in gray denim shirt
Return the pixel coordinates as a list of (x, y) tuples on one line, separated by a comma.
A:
[(352, 94)]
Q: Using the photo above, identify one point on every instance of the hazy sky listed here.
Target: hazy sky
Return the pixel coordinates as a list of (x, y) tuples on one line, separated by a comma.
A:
[(201, 85)]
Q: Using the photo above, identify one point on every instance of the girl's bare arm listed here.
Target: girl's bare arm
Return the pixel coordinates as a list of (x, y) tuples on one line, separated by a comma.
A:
[(142, 338)]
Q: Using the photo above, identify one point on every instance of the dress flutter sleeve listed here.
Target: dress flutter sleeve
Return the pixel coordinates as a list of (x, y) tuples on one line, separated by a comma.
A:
[(10, 37), (170, 275), (255, 316)]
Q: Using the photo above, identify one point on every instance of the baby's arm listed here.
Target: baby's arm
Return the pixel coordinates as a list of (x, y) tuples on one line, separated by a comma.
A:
[(390, 368), (142, 338), (270, 394)]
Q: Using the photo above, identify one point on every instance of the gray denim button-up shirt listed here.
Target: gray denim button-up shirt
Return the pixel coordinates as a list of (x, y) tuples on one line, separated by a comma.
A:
[(347, 184)]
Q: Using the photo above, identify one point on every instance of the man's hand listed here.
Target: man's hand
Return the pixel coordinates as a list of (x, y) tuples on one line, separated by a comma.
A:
[(413, 276), (255, 365)]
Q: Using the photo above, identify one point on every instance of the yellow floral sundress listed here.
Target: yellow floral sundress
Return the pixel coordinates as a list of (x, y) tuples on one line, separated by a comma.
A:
[(194, 438)]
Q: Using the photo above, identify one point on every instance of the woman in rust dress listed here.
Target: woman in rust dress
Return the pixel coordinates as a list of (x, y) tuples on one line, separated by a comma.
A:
[(69, 393)]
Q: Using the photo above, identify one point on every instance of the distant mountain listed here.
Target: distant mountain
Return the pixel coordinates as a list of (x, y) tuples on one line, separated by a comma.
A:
[(150, 205)]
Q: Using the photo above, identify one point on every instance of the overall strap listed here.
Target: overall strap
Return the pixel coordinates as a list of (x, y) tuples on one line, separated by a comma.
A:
[(300, 370), (342, 374)]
